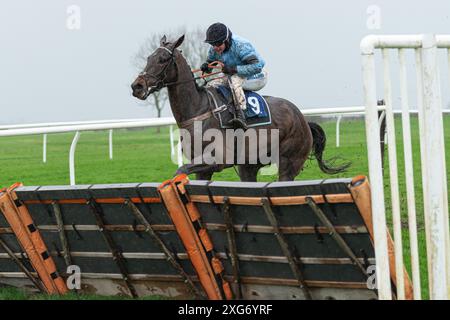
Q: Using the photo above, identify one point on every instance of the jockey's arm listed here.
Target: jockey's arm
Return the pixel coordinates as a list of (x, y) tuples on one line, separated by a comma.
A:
[(252, 65), (211, 56)]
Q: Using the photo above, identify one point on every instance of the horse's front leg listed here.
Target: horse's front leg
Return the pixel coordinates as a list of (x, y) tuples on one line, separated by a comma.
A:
[(207, 174), (193, 168), (249, 173), (204, 175), (202, 171)]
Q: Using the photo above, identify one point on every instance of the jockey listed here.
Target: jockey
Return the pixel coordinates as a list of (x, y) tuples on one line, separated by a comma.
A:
[(242, 63)]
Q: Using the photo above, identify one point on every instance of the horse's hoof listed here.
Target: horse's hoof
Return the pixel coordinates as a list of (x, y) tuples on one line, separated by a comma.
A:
[(178, 172)]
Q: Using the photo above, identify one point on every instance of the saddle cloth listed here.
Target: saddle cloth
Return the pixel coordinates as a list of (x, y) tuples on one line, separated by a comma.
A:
[(256, 114)]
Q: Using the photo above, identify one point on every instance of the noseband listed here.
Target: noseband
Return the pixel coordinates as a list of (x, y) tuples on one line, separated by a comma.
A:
[(159, 80)]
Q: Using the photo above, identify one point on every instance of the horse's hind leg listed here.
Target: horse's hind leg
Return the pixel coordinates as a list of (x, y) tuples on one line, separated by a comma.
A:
[(248, 172), (288, 168), (204, 175), (208, 173)]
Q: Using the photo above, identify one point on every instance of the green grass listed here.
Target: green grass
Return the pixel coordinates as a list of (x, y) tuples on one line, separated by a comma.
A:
[(144, 156), (10, 293)]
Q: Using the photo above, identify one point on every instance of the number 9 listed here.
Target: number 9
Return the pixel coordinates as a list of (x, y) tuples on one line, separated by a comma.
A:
[(254, 103)]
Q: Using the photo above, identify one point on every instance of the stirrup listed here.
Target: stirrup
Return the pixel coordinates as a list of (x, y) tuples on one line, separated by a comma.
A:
[(239, 120), (238, 124)]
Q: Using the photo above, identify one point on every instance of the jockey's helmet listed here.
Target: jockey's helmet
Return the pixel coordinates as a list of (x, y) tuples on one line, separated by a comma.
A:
[(217, 34)]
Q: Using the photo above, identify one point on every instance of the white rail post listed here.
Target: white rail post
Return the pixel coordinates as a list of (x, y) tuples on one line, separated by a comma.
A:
[(110, 144), (446, 213), (376, 178), (423, 155), (409, 176), (44, 148), (436, 202), (393, 176), (180, 153), (338, 125), (448, 66), (172, 147), (73, 147), (380, 123)]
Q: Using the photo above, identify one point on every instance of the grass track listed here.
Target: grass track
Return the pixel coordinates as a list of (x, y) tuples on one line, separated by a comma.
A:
[(144, 156)]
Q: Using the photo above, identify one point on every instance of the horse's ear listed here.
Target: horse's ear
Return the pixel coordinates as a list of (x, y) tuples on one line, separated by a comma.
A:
[(163, 40), (178, 42)]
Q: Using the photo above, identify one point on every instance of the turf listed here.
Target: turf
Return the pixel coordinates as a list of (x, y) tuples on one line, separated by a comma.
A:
[(142, 155)]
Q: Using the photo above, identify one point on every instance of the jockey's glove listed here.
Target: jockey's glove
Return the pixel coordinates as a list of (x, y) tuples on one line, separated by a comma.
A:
[(205, 68), (229, 70)]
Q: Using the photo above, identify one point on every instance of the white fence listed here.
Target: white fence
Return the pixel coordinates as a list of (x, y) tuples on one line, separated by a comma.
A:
[(31, 129), (79, 126), (433, 165)]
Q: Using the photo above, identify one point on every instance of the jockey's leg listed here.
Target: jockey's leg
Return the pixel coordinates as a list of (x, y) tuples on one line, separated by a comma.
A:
[(236, 83), (239, 100), (256, 82), (217, 82)]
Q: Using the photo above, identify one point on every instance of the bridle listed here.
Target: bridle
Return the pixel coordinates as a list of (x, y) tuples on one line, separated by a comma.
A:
[(159, 80), (160, 83)]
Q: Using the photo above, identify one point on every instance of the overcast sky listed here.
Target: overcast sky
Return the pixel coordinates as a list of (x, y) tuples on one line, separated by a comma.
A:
[(51, 73)]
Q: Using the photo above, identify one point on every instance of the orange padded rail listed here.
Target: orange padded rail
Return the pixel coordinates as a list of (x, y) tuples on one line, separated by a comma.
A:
[(215, 263), (189, 237), (206, 240), (360, 190), (31, 241)]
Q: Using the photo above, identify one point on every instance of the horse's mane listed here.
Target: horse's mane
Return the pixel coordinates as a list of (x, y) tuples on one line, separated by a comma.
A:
[(200, 88)]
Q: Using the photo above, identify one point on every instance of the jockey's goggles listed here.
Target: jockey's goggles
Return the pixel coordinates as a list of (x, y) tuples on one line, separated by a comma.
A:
[(218, 43)]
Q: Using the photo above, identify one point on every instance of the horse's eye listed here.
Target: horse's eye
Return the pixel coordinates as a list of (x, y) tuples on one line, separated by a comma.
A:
[(162, 60)]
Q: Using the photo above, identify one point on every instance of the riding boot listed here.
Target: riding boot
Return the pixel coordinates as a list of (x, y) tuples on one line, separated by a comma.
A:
[(240, 103), (239, 120)]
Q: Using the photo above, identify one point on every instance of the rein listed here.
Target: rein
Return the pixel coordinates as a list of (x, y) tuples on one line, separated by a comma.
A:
[(208, 114), (160, 82)]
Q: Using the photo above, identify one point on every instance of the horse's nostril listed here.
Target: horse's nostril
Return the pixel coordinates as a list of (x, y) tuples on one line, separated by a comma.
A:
[(137, 87)]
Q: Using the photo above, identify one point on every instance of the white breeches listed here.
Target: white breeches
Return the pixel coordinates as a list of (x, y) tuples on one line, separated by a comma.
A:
[(239, 84)]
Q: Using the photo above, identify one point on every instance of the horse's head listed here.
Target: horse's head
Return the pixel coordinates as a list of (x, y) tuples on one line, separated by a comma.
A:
[(160, 70)]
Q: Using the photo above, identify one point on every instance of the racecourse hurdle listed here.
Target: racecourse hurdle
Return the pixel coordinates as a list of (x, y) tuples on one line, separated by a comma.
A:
[(194, 239), (434, 180)]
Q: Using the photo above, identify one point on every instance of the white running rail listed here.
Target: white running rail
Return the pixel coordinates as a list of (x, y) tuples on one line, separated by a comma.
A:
[(80, 126)]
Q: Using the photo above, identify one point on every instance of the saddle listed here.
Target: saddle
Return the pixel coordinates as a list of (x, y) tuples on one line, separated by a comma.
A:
[(256, 114)]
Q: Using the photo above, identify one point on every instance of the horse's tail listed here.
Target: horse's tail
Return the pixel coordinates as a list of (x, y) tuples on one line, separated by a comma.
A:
[(319, 142)]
